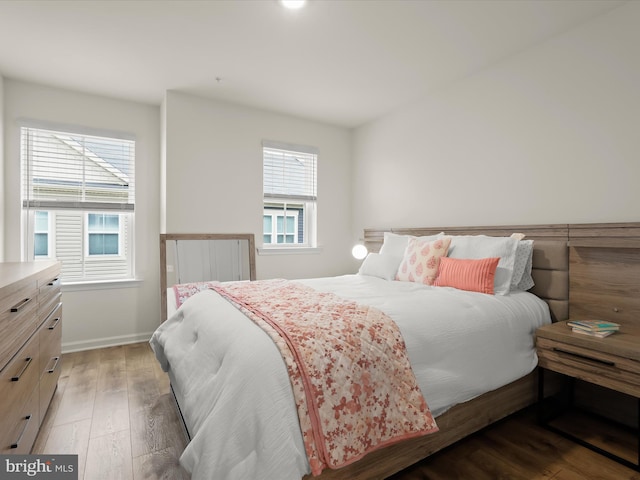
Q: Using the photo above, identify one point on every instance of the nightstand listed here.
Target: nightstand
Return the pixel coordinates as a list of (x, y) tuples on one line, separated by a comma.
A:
[(612, 362)]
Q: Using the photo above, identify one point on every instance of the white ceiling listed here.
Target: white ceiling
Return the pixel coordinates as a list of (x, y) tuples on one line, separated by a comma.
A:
[(344, 62)]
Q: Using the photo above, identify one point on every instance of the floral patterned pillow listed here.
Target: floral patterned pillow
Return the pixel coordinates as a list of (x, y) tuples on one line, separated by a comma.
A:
[(421, 260)]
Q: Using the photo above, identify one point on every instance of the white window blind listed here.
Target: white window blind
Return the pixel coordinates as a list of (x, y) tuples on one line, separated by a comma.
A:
[(289, 171), (63, 170)]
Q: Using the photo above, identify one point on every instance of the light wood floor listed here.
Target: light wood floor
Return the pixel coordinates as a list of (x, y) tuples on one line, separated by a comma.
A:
[(113, 408)]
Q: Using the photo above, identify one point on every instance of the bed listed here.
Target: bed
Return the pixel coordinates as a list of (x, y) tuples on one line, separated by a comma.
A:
[(236, 437)]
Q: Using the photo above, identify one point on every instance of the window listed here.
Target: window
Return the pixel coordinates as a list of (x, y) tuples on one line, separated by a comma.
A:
[(41, 245), (78, 200), (103, 234), (281, 226), (289, 186)]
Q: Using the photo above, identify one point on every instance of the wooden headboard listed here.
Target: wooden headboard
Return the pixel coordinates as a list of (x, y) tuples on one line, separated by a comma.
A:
[(580, 270)]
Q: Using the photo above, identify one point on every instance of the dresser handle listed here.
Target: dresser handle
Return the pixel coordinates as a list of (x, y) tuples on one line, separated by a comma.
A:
[(55, 365), (24, 429), (26, 365), (54, 324), (19, 305), (585, 357), (53, 282)]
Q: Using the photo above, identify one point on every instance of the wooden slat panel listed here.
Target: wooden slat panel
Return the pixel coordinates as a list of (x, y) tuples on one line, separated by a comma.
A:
[(623, 384), (536, 232), (605, 284), (605, 235), (620, 365)]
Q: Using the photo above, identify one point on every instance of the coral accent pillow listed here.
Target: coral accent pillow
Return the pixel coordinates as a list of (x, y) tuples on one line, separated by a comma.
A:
[(421, 260), (474, 275), (482, 246)]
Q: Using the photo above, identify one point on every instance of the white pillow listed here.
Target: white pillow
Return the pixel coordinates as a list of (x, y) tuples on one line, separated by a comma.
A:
[(482, 246), (395, 244), (522, 266), (381, 266)]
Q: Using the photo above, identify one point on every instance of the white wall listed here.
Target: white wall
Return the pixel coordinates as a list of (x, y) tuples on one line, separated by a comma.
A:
[(97, 316), (2, 193), (551, 135), (547, 136), (210, 155), (214, 179)]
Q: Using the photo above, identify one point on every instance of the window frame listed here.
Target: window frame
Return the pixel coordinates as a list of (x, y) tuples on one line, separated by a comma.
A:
[(102, 151), (306, 199)]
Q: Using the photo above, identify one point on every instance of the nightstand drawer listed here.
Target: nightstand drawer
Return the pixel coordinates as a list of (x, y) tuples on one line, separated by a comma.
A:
[(594, 366)]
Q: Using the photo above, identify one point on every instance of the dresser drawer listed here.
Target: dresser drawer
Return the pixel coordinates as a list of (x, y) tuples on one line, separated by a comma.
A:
[(18, 320), (18, 381), (48, 384), (49, 295), (591, 365), (20, 435), (48, 288), (50, 337)]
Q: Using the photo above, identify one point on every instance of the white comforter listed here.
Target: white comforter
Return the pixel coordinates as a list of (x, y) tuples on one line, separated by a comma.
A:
[(234, 390)]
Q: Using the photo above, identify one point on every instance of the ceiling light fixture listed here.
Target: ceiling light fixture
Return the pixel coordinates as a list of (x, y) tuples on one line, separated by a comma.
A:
[(293, 4)]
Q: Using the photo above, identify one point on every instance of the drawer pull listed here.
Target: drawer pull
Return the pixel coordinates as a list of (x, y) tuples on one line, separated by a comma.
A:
[(585, 357), (53, 310), (55, 364), (24, 429), (54, 323), (20, 305), (24, 368), (53, 282)]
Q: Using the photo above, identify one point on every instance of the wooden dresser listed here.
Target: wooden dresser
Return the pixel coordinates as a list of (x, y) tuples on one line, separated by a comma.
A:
[(30, 349)]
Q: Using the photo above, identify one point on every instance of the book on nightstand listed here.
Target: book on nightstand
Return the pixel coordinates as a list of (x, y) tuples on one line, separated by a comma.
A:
[(601, 334), (595, 328)]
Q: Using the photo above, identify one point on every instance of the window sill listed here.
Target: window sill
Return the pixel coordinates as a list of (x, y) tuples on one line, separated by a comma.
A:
[(289, 250), (101, 285)]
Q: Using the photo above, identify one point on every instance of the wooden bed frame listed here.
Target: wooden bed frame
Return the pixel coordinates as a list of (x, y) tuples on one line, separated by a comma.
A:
[(551, 274), (580, 270)]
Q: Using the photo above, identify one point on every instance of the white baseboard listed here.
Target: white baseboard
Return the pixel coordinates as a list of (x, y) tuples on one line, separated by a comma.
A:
[(80, 345)]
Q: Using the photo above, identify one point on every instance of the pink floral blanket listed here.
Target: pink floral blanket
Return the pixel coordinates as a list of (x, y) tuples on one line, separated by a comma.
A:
[(352, 381), (182, 291)]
